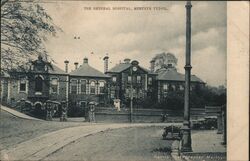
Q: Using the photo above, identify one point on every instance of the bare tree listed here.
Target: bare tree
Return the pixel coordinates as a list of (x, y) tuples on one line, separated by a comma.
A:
[(25, 27)]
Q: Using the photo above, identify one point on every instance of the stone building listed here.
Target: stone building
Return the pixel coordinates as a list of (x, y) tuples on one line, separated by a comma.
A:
[(125, 74), (168, 78), (43, 81), (87, 84)]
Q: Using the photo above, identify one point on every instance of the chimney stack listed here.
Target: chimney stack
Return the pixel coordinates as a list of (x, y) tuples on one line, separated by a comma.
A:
[(152, 65), (66, 65), (106, 63), (127, 60), (76, 65), (85, 60)]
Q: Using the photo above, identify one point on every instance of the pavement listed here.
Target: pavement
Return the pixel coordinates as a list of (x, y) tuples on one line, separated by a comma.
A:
[(204, 143)]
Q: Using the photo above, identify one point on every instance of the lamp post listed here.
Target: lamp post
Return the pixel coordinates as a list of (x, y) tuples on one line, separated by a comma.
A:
[(133, 68), (186, 143), (131, 96)]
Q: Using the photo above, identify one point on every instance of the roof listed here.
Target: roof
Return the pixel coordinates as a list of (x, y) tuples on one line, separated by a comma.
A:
[(123, 66), (119, 68), (173, 75), (86, 70), (56, 70)]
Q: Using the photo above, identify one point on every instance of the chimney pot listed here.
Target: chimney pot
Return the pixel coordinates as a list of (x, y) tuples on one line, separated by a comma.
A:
[(106, 63), (76, 65), (85, 60), (66, 65), (127, 60)]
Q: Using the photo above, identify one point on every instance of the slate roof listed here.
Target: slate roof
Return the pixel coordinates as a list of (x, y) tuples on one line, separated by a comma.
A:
[(87, 71), (123, 66), (119, 68), (173, 75), (56, 70)]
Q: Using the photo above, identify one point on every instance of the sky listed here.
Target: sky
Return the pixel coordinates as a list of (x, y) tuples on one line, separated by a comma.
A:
[(140, 34)]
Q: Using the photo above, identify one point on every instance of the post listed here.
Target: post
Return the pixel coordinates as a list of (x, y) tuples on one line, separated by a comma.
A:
[(186, 144), (131, 96)]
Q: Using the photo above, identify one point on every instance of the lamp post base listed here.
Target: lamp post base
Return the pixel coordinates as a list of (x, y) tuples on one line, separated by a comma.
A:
[(186, 139)]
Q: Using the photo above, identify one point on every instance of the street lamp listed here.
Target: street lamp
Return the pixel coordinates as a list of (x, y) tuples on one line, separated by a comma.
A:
[(186, 143), (132, 69)]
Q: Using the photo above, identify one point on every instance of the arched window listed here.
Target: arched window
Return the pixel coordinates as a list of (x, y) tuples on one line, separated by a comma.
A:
[(38, 84), (54, 85), (92, 87)]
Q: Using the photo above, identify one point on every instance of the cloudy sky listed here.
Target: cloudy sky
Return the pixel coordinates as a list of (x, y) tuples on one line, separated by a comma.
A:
[(140, 35)]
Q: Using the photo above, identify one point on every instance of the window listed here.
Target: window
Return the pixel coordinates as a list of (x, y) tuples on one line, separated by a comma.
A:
[(173, 87), (73, 86), (22, 87), (150, 80), (101, 86), (138, 79), (181, 87), (92, 87), (114, 78), (165, 87), (83, 84), (54, 85), (38, 84), (129, 79)]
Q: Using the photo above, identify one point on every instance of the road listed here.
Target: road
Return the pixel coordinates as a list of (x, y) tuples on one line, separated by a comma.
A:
[(134, 143), (43, 140)]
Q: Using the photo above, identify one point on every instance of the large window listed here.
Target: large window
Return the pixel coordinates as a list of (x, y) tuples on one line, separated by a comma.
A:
[(92, 87), (54, 85), (22, 85), (101, 86), (138, 79), (83, 84), (73, 86), (38, 84)]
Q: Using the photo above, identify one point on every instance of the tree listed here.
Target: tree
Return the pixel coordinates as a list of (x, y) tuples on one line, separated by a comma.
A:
[(25, 27)]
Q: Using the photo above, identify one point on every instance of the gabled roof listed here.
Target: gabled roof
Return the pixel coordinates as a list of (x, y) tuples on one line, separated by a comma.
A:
[(123, 66), (173, 75), (87, 71), (119, 68), (56, 70)]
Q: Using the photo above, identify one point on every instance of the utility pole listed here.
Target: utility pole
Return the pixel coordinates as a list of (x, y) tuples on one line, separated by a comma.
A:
[(186, 143)]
